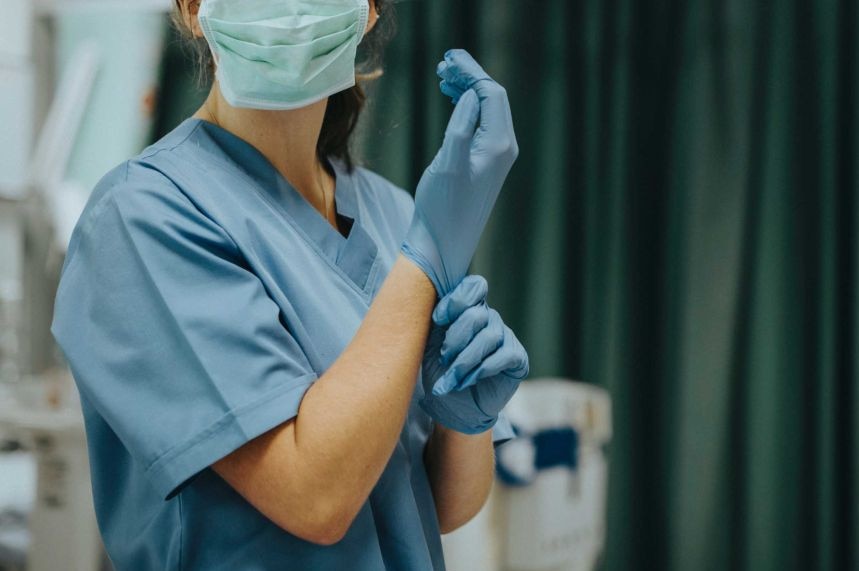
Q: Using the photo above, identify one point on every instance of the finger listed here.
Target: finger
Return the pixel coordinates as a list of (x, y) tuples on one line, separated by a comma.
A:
[(463, 330), (463, 72), (461, 69), (463, 121), (471, 291), (460, 130), (441, 69), (451, 90), (481, 346), (510, 359), (441, 386)]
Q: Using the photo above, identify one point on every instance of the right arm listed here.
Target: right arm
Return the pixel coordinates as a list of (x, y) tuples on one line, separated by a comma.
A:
[(311, 475)]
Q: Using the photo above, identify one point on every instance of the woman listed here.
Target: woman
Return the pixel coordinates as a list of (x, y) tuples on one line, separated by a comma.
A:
[(281, 361)]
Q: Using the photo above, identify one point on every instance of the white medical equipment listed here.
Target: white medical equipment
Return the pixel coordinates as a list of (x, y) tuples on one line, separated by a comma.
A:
[(63, 530), (42, 415), (17, 96), (550, 515), (88, 123), (16, 500), (17, 126)]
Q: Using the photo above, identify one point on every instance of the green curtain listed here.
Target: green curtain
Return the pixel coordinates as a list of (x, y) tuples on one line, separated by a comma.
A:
[(681, 228)]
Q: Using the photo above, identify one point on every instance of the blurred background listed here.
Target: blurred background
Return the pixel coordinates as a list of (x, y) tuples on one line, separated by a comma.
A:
[(680, 234)]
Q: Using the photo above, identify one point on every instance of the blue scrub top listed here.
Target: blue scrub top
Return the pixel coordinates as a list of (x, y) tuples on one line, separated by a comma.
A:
[(201, 297)]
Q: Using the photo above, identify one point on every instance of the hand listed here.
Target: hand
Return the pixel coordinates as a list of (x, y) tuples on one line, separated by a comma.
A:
[(473, 363), (459, 189)]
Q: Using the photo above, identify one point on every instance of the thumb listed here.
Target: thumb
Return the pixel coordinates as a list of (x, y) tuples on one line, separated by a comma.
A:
[(461, 129), (470, 292)]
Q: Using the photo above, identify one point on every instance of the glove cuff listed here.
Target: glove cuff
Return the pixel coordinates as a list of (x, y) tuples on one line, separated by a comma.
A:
[(419, 247), (449, 419)]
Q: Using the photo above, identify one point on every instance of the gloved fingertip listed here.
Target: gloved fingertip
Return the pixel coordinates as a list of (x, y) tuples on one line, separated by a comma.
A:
[(484, 285), (454, 53), (471, 280), (518, 374), (495, 320), (451, 90), (440, 313), (441, 68), (441, 386), (478, 288)]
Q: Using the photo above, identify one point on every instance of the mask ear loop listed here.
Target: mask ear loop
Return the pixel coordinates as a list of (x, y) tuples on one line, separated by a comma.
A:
[(203, 19), (364, 6)]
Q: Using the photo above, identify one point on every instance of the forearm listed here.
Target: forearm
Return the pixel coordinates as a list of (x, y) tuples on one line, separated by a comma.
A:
[(461, 470), (350, 420), (316, 471)]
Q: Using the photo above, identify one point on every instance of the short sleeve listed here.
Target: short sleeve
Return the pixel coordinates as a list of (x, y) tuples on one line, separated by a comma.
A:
[(170, 336)]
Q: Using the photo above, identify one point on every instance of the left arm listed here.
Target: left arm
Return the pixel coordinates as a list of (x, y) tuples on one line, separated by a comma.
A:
[(472, 366), (461, 468)]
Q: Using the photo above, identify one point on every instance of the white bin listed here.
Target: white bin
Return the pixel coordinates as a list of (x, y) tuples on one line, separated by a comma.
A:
[(553, 518)]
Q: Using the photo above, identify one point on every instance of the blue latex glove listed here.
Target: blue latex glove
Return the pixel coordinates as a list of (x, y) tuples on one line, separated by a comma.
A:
[(473, 363), (458, 190)]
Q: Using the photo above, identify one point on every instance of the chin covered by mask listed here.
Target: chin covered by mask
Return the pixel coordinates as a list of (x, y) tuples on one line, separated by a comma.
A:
[(283, 54)]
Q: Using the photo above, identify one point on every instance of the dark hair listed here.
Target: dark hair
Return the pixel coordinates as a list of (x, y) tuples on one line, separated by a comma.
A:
[(344, 108)]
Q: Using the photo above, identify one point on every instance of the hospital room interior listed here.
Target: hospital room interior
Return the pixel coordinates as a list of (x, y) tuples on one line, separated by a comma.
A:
[(676, 247)]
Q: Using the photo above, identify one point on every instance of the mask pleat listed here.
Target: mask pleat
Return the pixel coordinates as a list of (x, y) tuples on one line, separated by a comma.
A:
[(288, 30), (283, 54)]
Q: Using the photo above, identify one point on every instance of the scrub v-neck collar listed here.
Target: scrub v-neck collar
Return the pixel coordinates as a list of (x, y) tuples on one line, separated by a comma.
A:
[(354, 255)]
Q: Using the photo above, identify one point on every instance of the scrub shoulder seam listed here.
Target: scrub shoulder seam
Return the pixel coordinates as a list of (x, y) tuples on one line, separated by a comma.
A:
[(155, 149), (182, 196)]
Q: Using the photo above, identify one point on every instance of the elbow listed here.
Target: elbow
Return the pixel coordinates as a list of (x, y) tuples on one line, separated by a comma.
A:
[(323, 536), (324, 527), (454, 515), (449, 525), (327, 533)]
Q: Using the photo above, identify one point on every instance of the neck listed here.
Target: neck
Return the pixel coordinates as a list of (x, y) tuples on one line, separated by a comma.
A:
[(288, 139)]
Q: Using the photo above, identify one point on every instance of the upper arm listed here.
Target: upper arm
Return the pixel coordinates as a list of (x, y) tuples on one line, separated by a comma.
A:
[(171, 338), (267, 472)]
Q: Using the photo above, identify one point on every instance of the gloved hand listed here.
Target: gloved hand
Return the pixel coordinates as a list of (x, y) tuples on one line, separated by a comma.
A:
[(473, 363), (458, 190)]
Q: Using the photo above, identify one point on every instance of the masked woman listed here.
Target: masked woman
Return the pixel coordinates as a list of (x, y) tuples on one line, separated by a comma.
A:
[(281, 362)]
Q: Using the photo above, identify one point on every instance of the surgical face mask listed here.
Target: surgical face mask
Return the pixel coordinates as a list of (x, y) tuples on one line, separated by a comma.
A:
[(283, 54)]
